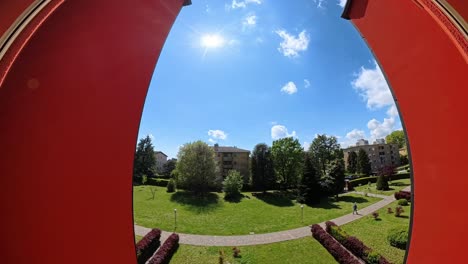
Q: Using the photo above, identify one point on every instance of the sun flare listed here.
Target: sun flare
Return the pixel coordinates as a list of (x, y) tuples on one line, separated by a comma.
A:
[(212, 41)]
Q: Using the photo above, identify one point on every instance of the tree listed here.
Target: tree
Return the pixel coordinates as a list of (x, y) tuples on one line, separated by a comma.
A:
[(352, 162), (397, 137), (168, 167), (363, 164), (261, 167), (325, 149), (196, 167), (382, 183), (144, 162), (404, 160), (334, 180), (309, 188), (287, 156), (233, 183)]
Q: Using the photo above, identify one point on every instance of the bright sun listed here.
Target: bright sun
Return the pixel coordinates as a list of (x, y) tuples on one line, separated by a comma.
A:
[(212, 41)]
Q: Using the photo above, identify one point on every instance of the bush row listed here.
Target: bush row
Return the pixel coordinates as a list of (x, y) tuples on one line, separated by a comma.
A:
[(336, 250), (400, 176), (353, 244), (373, 179), (146, 247), (157, 182), (164, 254), (403, 195)]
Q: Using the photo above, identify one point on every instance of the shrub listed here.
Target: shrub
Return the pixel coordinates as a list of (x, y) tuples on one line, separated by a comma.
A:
[(356, 246), (157, 182), (147, 245), (235, 252), (375, 215), (373, 257), (222, 256), (338, 234), (171, 186), (389, 210), (164, 254), (398, 211), (363, 180), (382, 183), (398, 238), (403, 202), (403, 195), (233, 183), (330, 244)]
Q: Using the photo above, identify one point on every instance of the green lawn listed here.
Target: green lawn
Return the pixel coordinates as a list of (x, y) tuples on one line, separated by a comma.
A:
[(395, 186), (137, 238), (213, 215), (304, 250), (374, 233)]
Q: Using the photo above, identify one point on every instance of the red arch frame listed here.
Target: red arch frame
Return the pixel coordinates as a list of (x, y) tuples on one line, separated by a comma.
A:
[(77, 76)]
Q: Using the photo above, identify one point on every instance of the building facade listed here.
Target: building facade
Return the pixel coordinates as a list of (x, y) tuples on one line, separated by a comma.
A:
[(232, 158), (380, 155), (161, 159)]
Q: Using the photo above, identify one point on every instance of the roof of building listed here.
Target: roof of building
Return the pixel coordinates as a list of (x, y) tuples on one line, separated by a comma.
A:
[(369, 145), (160, 152), (229, 149)]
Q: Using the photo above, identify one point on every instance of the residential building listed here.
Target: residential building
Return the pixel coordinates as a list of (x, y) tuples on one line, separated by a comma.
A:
[(362, 142), (232, 158), (161, 159), (380, 155), (379, 141)]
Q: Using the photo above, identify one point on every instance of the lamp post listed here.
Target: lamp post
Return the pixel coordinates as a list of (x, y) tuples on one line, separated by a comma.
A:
[(302, 212), (175, 219)]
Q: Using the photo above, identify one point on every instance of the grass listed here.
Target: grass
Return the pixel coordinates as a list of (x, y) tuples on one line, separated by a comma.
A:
[(374, 232), (303, 250), (395, 186), (137, 238), (212, 215)]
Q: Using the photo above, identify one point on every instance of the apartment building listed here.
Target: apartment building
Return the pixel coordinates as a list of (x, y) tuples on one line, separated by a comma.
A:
[(161, 159), (380, 154), (232, 158)]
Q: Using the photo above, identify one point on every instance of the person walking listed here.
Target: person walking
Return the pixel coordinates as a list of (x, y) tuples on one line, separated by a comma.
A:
[(355, 208)]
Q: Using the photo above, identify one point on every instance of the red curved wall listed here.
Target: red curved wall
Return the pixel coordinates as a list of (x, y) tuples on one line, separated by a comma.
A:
[(70, 108), (427, 72)]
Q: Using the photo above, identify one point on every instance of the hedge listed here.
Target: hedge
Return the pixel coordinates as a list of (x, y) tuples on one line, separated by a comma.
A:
[(353, 244), (146, 247), (164, 254), (398, 237), (373, 179), (157, 182), (403, 195), (336, 250)]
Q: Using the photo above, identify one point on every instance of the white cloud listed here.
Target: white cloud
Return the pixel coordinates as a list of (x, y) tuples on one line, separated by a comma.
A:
[(306, 83), (371, 85), (342, 3), (279, 131), (305, 145), (212, 140), (151, 137), (289, 88), (250, 20), (243, 4), (218, 134), (259, 40), (291, 45), (392, 111), (355, 134), (320, 3), (380, 129)]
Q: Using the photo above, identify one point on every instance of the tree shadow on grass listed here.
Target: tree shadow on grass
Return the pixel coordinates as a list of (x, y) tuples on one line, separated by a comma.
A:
[(399, 184), (235, 198), (275, 198), (197, 203), (330, 202)]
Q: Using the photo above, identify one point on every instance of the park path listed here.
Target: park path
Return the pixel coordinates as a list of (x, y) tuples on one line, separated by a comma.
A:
[(258, 239)]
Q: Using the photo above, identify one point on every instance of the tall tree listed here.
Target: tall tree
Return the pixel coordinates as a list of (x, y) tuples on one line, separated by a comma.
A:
[(287, 156), (196, 167), (325, 149), (261, 167), (144, 162), (168, 167), (396, 137), (363, 164), (309, 188), (334, 180), (352, 162)]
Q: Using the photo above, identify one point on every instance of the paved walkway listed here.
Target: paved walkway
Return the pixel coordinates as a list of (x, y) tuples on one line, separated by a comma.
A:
[(245, 240)]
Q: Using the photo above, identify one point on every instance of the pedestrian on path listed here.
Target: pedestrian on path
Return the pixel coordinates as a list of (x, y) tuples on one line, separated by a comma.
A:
[(355, 208)]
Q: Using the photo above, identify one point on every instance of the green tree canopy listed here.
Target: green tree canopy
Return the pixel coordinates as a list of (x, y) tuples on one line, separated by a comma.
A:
[(363, 164), (333, 180), (397, 137), (352, 162), (144, 162), (325, 149), (196, 167), (287, 156), (261, 167), (233, 183), (309, 188), (168, 167)]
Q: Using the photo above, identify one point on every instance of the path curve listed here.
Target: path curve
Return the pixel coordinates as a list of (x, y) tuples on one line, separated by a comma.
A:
[(259, 239)]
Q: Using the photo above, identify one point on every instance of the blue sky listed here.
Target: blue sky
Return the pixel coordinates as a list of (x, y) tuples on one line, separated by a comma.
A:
[(242, 72)]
